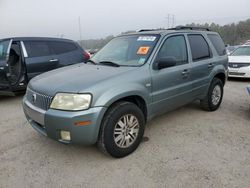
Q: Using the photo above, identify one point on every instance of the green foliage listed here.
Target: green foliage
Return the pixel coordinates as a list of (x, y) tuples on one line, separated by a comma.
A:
[(233, 34), (95, 43)]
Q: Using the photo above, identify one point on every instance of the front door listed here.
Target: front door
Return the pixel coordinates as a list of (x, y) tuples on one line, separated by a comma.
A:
[(172, 86)]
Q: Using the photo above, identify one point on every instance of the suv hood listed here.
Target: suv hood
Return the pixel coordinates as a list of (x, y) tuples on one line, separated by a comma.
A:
[(73, 79), (239, 59)]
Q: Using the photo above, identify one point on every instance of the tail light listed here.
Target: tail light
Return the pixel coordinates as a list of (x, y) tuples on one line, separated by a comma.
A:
[(86, 55)]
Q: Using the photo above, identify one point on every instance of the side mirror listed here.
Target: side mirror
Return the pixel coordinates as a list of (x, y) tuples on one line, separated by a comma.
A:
[(165, 62)]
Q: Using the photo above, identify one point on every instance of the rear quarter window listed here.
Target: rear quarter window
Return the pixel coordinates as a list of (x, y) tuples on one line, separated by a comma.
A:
[(218, 44), (37, 48), (62, 47), (199, 47)]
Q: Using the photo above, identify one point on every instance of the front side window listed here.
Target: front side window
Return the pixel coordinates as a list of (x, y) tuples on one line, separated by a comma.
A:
[(131, 50), (174, 47), (4, 49), (242, 51), (199, 47), (37, 48)]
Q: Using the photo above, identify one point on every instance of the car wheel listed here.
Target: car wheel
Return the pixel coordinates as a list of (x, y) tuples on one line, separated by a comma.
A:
[(122, 129), (214, 96)]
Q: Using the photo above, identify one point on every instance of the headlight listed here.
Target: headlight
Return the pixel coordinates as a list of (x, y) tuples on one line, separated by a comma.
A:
[(69, 101)]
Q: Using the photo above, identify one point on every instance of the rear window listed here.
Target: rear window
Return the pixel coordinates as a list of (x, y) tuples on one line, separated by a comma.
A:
[(62, 47), (37, 48), (218, 44), (199, 47)]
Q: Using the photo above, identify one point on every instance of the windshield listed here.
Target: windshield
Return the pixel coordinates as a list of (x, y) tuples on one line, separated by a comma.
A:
[(242, 51), (3, 49), (133, 50)]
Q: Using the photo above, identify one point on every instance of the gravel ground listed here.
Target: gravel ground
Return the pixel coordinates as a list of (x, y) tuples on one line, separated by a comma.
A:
[(186, 148)]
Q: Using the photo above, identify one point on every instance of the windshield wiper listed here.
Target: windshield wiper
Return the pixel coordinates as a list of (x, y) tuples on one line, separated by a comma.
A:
[(110, 63), (91, 61)]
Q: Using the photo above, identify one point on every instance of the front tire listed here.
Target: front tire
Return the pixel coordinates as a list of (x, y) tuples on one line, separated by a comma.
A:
[(122, 129), (214, 96)]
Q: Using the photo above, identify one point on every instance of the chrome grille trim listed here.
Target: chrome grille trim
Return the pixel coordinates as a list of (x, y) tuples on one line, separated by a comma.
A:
[(238, 65), (42, 101)]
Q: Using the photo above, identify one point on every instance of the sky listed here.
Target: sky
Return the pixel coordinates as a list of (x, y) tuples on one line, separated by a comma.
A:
[(100, 18)]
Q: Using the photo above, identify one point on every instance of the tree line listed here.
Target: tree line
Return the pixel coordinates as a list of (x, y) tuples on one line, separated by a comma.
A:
[(232, 34)]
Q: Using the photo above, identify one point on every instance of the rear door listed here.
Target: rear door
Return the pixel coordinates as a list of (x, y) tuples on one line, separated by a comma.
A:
[(40, 58), (4, 70), (67, 53), (202, 63)]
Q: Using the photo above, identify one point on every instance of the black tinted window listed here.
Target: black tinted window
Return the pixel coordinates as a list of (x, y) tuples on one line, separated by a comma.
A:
[(62, 47), (199, 47), (37, 48), (175, 46), (218, 44)]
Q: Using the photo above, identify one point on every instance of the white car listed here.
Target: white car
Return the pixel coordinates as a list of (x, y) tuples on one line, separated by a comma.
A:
[(239, 62)]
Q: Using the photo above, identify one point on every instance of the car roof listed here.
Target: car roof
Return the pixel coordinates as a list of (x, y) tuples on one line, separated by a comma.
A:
[(37, 39)]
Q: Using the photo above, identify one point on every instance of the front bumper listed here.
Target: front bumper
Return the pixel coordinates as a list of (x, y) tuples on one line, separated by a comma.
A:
[(243, 72), (51, 122)]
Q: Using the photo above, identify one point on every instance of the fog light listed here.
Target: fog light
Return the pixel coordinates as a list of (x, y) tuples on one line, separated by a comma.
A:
[(65, 135)]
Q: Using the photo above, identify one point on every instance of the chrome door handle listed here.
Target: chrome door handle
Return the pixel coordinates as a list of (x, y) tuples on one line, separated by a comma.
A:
[(184, 72), (1, 68), (210, 65), (53, 60)]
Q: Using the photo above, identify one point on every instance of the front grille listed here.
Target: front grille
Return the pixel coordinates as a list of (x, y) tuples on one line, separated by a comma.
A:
[(39, 100), (237, 73), (238, 65)]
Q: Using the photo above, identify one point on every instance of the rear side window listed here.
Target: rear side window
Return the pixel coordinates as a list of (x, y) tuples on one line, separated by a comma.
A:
[(62, 47), (218, 44), (37, 48), (199, 47)]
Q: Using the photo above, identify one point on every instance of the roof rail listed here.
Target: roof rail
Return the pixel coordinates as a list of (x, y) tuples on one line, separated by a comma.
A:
[(190, 28), (143, 30)]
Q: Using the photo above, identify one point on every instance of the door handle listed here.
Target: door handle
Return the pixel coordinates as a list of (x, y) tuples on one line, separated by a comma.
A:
[(184, 72), (210, 65), (53, 60), (1, 68)]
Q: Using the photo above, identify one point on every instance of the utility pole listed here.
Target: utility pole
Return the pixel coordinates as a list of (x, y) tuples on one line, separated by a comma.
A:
[(170, 20), (173, 21), (80, 30)]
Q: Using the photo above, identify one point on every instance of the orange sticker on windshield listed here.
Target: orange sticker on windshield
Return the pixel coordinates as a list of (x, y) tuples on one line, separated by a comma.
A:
[(143, 50)]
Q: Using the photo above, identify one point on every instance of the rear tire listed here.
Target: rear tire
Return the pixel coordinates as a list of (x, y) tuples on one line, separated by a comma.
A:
[(214, 96), (122, 129)]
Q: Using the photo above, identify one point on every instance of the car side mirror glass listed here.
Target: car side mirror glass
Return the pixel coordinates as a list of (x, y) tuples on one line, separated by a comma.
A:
[(165, 62)]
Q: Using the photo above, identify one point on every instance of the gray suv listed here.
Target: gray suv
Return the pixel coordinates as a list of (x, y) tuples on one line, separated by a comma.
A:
[(134, 78)]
